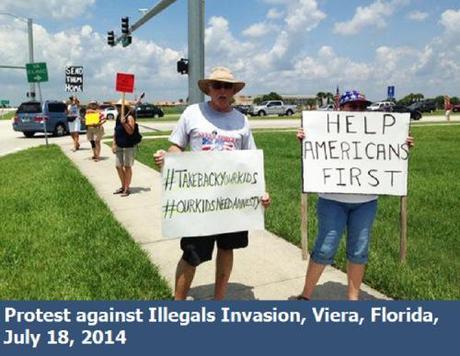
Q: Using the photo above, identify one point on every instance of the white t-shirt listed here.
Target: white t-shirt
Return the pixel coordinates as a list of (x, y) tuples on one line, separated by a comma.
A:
[(348, 198), (206, 129)]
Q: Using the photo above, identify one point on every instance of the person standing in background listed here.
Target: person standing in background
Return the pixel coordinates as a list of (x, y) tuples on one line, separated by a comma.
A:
[(73, 119)]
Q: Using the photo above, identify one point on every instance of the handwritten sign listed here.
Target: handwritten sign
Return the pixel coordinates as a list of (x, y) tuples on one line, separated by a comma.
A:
[(355, 152), (125, 83), (207, 193), (92, 118), (74, 79)]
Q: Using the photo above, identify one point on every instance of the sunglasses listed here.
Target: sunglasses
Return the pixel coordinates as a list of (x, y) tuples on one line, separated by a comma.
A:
[(220, 85)]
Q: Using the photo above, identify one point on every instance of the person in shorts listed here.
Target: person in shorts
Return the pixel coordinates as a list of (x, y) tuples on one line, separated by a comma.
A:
[(95, 129), (200, 127), (73, 120), (123, 147), (337, 212)]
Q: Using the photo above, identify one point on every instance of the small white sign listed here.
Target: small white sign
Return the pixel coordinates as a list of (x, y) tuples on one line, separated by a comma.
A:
[(212, 192), (355, 152)]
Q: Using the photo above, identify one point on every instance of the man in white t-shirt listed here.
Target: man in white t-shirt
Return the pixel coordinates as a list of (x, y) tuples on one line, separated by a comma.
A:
[(209, 126)]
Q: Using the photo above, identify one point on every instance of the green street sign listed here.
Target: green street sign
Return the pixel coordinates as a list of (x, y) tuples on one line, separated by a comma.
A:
[(4, 102), (36, 72)]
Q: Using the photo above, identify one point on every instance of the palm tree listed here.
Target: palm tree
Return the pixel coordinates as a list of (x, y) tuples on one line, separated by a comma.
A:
[(329, 97), (320, 96)]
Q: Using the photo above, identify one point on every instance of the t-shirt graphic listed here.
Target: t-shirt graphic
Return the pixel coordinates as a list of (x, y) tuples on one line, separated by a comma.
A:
[(216, 142)]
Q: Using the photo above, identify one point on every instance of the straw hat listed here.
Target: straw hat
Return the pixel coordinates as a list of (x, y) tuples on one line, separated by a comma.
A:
[(220, 74), (120, 103)]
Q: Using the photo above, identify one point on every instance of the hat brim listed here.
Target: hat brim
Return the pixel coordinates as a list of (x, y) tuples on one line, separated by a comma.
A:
[(203, 84), (364, 101)]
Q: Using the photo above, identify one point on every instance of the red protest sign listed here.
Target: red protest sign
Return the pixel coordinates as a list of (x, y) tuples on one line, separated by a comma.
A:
[(125, 82)]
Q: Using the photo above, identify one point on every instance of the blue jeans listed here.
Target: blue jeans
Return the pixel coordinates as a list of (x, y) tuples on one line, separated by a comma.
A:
[(333, 217)]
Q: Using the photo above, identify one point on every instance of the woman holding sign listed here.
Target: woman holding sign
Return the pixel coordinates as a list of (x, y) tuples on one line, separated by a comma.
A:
[(125, 140), (355, 212), (73, 118), (94, 129)]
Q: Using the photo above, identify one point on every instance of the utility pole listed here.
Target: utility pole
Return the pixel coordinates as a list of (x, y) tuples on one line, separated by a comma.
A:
[(31, 52)]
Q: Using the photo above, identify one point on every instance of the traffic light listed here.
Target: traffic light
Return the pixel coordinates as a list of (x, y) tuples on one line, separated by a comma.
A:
[(125, 26), (111, 38), (126, 40), (182, 66)]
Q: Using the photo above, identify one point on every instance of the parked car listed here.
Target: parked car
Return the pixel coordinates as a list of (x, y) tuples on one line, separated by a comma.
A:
[(427, 105), (31, 115), (110, 112), (148, 110), (381, 106), (272, 107), (456, 108), (244, 109), (327, 107), (414, 114)]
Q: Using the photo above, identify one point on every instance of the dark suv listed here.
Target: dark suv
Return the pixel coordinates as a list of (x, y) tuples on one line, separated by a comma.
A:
[(31, 115), (148, 110), (427, 105)]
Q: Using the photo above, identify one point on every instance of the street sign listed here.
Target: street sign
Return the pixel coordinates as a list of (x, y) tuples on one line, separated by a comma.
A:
[(125, 82), (391, 92), (36, 72), (4, 102), (74, 79)]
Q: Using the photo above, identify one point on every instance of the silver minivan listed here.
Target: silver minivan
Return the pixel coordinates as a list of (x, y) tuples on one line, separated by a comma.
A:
[(30, 117)]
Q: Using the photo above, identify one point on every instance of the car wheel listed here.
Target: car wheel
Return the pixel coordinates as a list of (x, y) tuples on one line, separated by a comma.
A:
[(289, 112), (60, 130), (29, 133), (261, 113), (110, 117)]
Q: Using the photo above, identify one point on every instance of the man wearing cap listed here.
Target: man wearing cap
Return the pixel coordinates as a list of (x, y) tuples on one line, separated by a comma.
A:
[(212, 125), (355, 212)]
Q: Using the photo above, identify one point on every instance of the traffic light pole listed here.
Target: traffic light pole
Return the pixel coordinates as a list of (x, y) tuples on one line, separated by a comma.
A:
[(31, 53), (195, 42), (195, 49)]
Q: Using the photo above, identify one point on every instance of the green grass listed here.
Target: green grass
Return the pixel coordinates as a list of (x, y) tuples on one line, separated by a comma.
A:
[(7, 116), (432, 269), (60, 241)]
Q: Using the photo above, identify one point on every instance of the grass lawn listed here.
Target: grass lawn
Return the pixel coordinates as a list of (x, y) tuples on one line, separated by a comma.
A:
[(8, 115), (432, 270), (59, 241)]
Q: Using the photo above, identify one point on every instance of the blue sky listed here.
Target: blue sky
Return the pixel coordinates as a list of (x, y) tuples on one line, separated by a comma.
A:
[(287, 46)]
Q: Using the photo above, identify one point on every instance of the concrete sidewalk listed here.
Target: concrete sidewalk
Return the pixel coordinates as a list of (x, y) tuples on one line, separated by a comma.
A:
[(269, 269)]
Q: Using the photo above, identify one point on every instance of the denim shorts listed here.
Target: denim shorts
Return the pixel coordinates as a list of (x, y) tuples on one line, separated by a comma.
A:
[(333, 217)]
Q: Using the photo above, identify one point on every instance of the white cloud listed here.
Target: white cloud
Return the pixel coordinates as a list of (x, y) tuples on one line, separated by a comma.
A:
[(58, 9), (274, 14), (154, 66), (259, 29), (367, 16), (417, 16), (450, 19)]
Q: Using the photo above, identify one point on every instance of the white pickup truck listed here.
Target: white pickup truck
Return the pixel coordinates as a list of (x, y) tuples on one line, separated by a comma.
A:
[(272, 107)]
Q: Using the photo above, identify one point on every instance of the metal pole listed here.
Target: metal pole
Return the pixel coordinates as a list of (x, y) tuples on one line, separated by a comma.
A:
[(195, 49), (31, 52)]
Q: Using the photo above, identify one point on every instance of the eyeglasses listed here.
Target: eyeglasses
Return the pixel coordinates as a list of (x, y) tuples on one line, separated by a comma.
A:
[(220, 85)]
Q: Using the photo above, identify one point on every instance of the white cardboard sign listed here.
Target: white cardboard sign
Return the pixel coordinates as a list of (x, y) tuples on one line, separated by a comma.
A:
[(355, 152), (212, 192)]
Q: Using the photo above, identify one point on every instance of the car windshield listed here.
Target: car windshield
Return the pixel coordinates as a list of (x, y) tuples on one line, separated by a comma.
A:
[(263, 103), (29, 108)]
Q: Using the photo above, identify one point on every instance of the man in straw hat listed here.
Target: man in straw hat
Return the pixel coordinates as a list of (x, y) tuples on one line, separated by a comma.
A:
[(212, 125)]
